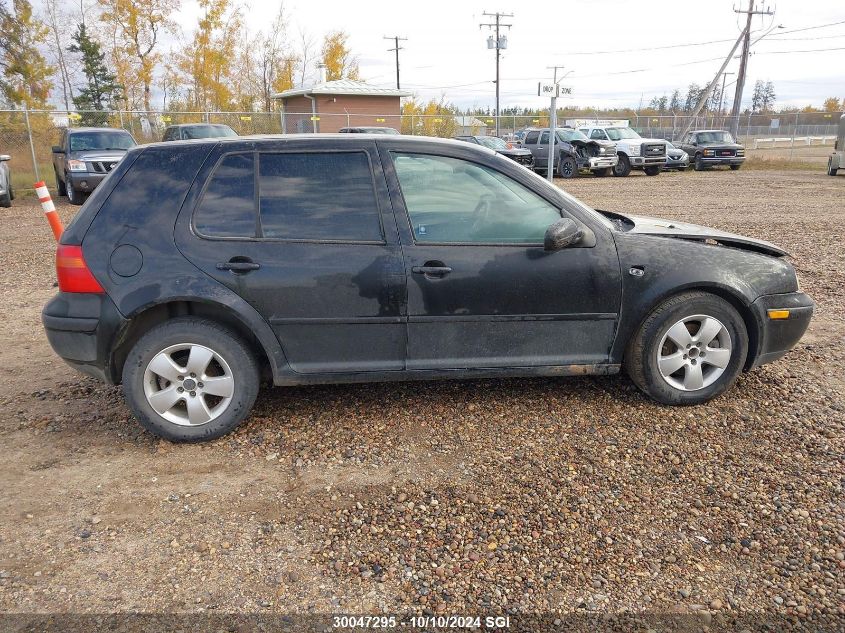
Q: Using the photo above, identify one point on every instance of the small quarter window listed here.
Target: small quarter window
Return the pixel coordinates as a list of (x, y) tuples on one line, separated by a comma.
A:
[(227, 208)]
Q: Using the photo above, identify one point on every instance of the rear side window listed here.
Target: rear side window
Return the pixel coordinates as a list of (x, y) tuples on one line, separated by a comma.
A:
[(318, 196), (227, 208), (532, 137)]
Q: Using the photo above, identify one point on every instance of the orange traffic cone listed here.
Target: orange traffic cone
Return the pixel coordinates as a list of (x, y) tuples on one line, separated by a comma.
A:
[(49, 209)]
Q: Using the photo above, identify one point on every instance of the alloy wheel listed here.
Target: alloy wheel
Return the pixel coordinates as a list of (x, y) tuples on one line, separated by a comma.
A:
[(188, 384), (694, 352)]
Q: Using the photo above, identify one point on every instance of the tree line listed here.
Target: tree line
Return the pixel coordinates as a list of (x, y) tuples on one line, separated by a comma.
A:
[(114, 57)]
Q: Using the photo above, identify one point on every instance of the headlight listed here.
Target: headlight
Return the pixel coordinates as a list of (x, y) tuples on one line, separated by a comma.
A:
[(740, 152), (76, 165), (636, 150), (709, 152)]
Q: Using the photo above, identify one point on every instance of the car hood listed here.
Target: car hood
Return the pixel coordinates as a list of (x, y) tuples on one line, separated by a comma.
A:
[(592, 141), (675, 153), (99, 154), (514, 151), (716, 145), (682, 230)]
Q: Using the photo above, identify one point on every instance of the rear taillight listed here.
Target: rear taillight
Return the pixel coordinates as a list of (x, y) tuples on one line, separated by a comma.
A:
[(73, 272)]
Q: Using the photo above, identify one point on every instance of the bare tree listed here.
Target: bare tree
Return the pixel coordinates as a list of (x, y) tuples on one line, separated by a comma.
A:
[(306, 54), (56, 20)]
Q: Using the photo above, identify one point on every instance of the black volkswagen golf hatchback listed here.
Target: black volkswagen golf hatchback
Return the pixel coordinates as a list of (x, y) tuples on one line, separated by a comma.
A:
[(199, 268)]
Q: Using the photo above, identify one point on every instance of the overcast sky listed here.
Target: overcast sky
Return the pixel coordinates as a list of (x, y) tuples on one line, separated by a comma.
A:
[(446, 52)]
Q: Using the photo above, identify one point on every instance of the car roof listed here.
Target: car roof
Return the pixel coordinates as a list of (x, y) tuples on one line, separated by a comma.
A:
[(694, 131), (200, 123), (344, 138), (74, 130)]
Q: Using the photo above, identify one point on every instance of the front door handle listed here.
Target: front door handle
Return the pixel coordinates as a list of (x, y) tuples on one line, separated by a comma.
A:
[(432, 271), (238, 266)]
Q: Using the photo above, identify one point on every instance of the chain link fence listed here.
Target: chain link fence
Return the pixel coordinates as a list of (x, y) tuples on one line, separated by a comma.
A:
[(28, 137)]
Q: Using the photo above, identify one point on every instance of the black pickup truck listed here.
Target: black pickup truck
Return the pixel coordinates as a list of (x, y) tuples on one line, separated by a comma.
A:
[(712, 147), (84, 156)]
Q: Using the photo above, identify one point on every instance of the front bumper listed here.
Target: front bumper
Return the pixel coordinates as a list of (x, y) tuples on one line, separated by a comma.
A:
[(778, 336), (674, 163), (723, 160), (81, 328), (85, 181), (602, 162), (648, 161)]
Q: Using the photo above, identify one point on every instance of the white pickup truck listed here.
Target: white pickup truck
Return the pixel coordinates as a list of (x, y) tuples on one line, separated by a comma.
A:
[(634, 151)]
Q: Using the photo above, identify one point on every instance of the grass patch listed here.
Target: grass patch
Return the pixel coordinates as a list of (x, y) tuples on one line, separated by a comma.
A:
[(758, 163)]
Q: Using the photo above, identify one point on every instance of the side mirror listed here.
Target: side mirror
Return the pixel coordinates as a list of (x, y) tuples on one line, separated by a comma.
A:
[(58, 150), (4, 157), (561, 234)]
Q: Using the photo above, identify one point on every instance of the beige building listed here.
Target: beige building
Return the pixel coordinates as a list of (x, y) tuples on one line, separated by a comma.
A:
[(330, 105)]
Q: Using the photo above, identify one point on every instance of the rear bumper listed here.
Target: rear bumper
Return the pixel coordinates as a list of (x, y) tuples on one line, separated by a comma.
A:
[(778, 336), (81, 328), (85, 181)]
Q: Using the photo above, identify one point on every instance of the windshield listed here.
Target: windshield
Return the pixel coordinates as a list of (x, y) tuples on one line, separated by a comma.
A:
[(715, 137), (617, 133), (208, 131), (571, 135), (492, 142), (83, 141)]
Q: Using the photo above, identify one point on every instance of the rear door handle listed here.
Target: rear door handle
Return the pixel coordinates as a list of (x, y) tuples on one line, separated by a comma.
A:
[(431, 271), (238, 266)]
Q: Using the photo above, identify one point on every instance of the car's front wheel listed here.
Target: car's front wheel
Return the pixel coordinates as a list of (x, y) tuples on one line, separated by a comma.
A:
[(652, 170), (691, 348), (623, 167), (190, 380), (699, 163), (73, 196), (566, 167), (831, 170)]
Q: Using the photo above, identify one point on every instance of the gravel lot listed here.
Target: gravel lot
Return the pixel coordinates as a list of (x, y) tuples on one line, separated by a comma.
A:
[(512, 496)]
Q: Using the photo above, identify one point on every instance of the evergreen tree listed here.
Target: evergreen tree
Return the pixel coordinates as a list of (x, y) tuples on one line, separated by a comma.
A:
[(101, 89)]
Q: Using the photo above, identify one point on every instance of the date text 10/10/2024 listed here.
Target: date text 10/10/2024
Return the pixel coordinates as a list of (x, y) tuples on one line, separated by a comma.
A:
[(421, 621)]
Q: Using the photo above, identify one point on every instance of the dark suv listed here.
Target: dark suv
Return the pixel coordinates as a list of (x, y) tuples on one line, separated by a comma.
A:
[(84, 156), (199, 267)]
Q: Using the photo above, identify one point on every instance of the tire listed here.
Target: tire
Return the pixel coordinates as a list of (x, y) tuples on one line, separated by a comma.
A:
[(655, 339), (735, 167), (830, 170), (6, 200), (623, 167), (567, 167), (221, 354), (73, 196), (60, 186), (699, 165), (682, 168), (602, 173), (11, 192), (652, 170)]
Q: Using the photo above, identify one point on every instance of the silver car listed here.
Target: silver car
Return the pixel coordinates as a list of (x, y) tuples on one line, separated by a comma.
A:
[(6, 192)]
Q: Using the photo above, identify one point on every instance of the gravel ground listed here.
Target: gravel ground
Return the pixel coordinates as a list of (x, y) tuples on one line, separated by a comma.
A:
[(513, 496)]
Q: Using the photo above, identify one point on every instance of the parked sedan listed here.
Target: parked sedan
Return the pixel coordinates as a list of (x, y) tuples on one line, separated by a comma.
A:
[(675, 158), (7, 194), (360, 257), (364, 129), (521, 155), (187, 131)]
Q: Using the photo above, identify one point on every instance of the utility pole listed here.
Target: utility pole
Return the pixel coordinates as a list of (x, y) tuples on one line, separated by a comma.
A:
[(743, 64), (396, 39), (499, 43), (722, 93)]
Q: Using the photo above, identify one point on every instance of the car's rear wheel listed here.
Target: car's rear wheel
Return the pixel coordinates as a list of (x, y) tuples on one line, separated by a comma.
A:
[(831, 170), (6, 199), (652, 170), (566, 167), (691, 348), (699, 163), (623, 167), (73, 196), (190, 380)]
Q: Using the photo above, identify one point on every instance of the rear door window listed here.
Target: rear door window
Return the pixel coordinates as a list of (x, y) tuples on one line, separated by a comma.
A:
[(531, 138), (319, 196)]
